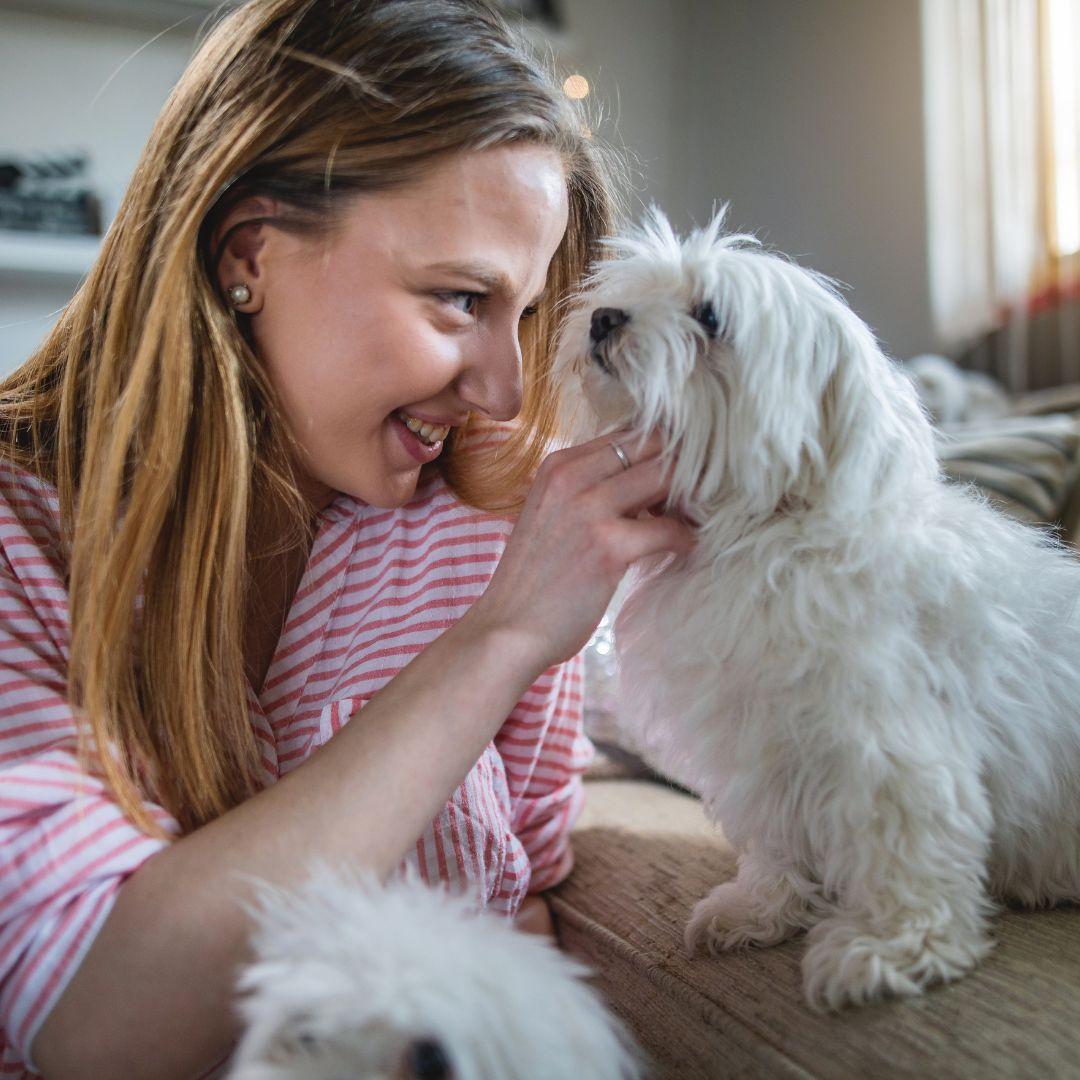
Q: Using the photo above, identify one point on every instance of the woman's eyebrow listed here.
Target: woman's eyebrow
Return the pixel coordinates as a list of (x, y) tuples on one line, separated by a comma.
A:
[(492, 278)]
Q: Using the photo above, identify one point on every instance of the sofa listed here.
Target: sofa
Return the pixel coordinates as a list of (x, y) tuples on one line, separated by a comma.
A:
[(645, 853)]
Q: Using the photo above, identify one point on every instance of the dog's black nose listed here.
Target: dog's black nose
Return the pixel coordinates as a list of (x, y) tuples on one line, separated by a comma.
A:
[(604, 320)]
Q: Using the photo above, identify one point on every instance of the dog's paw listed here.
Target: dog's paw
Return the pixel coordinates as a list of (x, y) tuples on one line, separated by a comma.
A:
[(847, 964), (730, 918)]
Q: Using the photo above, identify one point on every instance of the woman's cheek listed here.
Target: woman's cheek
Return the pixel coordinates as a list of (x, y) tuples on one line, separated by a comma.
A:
[(433, 366)]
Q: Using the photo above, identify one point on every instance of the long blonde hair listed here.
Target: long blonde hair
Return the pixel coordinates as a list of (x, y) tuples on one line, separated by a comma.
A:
[(147, 408)]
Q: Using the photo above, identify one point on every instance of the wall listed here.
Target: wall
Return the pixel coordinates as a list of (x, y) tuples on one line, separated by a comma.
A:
[(630, 50), (807, 116)]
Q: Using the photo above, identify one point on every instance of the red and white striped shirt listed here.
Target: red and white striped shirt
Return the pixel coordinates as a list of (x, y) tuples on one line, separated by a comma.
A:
[(379, 585)]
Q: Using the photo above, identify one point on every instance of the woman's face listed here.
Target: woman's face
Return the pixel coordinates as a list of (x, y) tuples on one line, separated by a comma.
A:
[(411, 307)]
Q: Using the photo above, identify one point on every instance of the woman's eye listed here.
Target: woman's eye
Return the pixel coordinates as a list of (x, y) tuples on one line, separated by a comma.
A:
[(466, 302), (469, 300)]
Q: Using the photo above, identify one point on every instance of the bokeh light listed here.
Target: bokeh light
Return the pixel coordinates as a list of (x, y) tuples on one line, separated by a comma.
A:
[(576, 86)]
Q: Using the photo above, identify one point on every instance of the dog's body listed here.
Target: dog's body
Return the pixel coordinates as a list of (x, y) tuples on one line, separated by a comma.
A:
[(872, 678), (355, 979)]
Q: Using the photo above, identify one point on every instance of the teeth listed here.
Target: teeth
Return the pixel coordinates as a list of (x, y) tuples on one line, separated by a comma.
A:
[(430, 433)]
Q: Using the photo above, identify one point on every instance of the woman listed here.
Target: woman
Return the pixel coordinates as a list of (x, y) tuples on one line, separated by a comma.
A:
[(349, 231)]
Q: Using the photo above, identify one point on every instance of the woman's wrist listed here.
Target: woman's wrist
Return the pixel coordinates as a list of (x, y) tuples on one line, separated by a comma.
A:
[(509, 639)]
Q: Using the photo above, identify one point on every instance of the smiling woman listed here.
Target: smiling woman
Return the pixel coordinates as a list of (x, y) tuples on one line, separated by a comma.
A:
[(321, 312), (255, 530)]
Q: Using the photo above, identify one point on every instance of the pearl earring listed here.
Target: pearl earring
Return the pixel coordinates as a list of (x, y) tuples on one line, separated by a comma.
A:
[(239, 294)]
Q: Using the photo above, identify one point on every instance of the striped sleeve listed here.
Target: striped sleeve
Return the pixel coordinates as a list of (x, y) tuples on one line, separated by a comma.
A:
[(65, 847), (545, 751)]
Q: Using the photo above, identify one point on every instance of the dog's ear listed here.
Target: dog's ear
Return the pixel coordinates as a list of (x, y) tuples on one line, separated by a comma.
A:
[(873, 435)]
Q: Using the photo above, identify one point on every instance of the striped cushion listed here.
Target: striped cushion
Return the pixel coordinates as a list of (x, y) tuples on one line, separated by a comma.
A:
[(1052, 399), (1026, 465)]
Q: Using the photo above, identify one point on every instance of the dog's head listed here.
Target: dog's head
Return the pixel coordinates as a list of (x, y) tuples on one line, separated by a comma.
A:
[(768, 387), (367, 980)]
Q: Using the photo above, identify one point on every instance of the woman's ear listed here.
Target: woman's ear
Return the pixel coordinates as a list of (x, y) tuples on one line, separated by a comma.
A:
[(239, 243)]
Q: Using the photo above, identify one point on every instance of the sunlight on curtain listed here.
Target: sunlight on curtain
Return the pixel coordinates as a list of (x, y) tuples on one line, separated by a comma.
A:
[(958, 217), (1002, 114), (1010, 29), (1062, 49)]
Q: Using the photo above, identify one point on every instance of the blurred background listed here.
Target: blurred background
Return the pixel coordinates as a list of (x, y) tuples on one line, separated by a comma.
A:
[(925, 154)]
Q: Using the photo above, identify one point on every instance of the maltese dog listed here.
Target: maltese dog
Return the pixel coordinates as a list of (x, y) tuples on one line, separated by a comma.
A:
[(871, 677), (352, 980)]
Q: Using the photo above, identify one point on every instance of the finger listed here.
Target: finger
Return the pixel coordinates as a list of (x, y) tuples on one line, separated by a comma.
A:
[(630, 491), (635, 443), (596, 460), (637, 539)]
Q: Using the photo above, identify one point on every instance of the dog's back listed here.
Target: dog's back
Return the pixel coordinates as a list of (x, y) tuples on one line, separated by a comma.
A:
[(1024, 674)]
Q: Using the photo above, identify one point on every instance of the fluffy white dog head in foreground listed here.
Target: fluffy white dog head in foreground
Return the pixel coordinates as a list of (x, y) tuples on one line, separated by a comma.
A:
[(871, 677), (768, 385), (357, 981)]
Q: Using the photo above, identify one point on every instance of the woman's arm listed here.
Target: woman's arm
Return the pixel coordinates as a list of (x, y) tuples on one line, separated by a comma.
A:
[(152, 997)]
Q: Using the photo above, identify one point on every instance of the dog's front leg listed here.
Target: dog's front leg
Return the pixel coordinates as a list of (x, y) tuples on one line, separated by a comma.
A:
[(768, 902), (911, 904)]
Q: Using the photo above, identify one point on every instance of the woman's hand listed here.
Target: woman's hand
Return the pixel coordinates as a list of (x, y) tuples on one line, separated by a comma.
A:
[(577, 535), (534, 917)]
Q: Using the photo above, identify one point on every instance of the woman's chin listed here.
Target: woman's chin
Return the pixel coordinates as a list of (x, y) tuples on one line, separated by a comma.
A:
[(392, 490)]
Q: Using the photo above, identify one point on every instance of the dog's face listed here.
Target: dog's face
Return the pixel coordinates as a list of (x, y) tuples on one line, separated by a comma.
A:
[(316, 1021), (753, 367), (356, 979)]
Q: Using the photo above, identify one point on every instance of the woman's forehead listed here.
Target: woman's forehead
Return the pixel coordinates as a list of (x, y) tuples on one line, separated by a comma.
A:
[(515, 185), (496, 216)]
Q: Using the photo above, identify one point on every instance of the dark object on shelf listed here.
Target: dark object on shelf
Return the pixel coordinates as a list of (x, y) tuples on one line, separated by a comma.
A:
[(77, 212), (29, 171), (48, 194)]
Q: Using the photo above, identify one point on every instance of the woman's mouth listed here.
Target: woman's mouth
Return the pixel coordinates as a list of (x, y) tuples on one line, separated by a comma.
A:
[(423, 441)]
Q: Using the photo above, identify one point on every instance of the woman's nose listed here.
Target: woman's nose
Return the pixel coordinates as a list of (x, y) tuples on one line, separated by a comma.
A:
[(491, 381)]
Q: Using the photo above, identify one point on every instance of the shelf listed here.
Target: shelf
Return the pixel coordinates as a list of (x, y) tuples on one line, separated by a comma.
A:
[(46, 255)]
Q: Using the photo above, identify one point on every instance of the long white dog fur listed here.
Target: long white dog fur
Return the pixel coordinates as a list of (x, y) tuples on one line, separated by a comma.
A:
[(871, 676), (355, 979)]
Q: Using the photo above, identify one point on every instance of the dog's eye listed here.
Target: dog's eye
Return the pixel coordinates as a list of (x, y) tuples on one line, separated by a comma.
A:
[(705, 314), (426, 1060), (295, 1042)]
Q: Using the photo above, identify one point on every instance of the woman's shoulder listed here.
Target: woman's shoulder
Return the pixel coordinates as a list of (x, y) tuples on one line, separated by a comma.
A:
[(19, 483)]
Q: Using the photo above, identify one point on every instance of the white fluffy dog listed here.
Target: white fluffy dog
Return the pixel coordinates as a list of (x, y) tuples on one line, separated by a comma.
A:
[(872, 678), (353, 980)]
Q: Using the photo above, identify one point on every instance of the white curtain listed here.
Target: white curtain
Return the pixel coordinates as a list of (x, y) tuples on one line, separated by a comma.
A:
[(985, 170), (1062, 49)]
